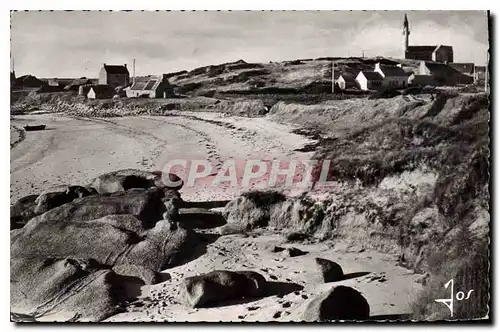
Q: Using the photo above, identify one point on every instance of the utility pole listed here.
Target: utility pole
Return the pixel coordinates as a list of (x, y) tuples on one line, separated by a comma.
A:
[(133, 71), (362, 53), (333, 77)]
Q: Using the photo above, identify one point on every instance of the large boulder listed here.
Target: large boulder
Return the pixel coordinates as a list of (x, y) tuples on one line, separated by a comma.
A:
[(329, 271), (145, 204), (253, 209), (126, 179), (112, 240), (49, 200), (33, 205), (76, 289), (216, 286), (339, 303), (269, 208), (148, 276), (22, 211)]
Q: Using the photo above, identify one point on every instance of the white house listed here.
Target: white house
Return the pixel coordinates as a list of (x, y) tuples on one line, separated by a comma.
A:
[(369, 80), (394, 77), (114, 75), (346, 82)]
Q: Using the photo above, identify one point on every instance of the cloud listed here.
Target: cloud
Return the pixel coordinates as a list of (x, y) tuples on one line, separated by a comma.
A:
[(76, 43)]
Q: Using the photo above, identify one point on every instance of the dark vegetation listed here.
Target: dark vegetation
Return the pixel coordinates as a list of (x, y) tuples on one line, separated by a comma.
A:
[(440, 227), (452, 139)]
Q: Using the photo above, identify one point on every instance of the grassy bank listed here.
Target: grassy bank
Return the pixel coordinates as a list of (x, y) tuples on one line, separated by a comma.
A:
[(411, 178)]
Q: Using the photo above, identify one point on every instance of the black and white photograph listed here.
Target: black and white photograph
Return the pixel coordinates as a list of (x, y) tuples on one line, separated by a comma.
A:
[(321, 166)]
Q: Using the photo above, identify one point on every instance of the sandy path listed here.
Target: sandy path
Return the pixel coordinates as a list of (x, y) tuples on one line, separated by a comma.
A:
[(388, 295), (75, 150)]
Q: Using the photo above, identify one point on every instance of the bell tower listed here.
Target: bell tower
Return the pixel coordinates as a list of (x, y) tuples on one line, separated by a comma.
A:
[(406, 34)]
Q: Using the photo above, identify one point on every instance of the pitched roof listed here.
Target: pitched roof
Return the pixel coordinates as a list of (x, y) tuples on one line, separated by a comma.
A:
[(348, 78), (372, 76), (443, 46), (440, 68), (150, 83), (103, 90), (138, 85), (29, 81), (466, 68), (421, 48), (393, 71), (115, 69)]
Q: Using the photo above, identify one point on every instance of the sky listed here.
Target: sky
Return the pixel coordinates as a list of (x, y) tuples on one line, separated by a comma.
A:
[(77, 43)]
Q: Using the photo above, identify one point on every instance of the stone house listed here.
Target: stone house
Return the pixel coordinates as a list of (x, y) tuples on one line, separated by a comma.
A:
[(114, 75)]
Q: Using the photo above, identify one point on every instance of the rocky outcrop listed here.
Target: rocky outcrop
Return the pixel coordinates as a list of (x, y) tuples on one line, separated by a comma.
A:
[(216, 286), (77, 289), (49, 200), (126, 179), (22, 211), (257, 209), (148, 276), (33, 205), (328, 271), (339, 303), (108, 241), (145, 204), (77, 257), (293, 252)]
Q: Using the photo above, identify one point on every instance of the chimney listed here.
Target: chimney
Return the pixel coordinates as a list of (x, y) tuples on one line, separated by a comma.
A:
[(125, 65)]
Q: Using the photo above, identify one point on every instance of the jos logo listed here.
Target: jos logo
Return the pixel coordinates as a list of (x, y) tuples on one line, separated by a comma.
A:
[(459, 296)]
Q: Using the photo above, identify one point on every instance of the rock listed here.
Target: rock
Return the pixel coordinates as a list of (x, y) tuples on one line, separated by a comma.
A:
[(329, 271), (149, 276), (49, 200), (339, 303), (230, 229), (33, 205), (213, 287), (107, 241), (253, 209), (172, 202), (296, 236), (145, 204), (293, 252), (276, 249), (126, 179), (41, 286), (22, 211)]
